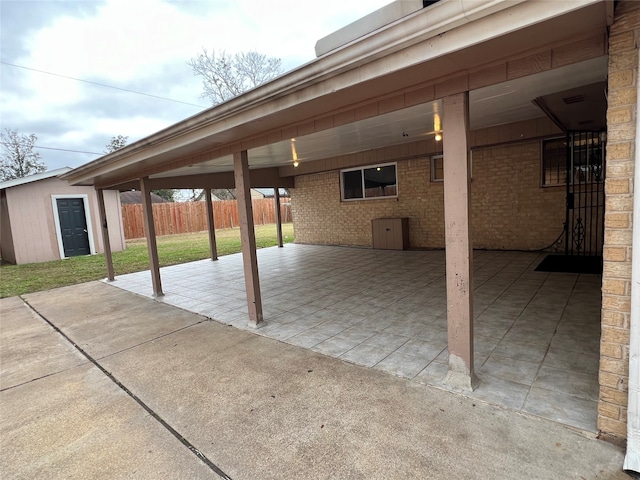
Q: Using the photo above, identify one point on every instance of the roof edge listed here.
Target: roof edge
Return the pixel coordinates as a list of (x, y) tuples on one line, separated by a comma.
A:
[(35, 177)]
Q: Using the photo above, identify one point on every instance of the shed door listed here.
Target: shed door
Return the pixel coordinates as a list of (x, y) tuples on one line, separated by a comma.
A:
[(73, 226)]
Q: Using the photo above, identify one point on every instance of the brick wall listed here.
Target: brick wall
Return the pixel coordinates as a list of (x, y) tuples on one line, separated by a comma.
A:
[(510, 210), (616, 280)]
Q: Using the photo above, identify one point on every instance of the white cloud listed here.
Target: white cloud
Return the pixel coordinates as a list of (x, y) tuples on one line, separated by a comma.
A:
[(144, 45)]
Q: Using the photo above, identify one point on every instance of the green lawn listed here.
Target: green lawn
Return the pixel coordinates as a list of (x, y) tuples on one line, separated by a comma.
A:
[(172, 249)]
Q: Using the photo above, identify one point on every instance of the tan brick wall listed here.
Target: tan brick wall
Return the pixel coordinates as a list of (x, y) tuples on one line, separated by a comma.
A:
[(510, 210), (616, 279)]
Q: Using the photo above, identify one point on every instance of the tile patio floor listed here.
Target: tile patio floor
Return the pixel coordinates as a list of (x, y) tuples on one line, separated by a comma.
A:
[(536, 334)]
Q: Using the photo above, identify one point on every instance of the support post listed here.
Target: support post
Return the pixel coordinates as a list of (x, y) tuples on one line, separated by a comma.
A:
[(248, 238), (276, 196), (150, 232), (459, 247), (212, 229), (106, 241)]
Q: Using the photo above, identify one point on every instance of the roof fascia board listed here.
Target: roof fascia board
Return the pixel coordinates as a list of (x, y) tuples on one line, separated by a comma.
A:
[(465, 22), (36, 177)]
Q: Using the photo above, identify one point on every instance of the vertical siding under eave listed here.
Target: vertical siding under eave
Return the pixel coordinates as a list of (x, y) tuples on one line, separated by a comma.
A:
[(33, 225), (6, 238)]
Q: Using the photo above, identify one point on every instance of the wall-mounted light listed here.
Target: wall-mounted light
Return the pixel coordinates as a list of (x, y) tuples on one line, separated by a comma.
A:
[(438, 137)]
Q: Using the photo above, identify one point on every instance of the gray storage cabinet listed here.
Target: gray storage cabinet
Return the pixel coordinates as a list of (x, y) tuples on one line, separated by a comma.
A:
[(390, 233)]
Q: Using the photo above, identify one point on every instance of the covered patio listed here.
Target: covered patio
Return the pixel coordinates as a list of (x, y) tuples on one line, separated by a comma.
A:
[(445, 117), (536, 333)]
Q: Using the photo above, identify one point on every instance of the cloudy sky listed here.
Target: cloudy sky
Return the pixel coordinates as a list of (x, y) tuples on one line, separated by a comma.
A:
[(138, 45)]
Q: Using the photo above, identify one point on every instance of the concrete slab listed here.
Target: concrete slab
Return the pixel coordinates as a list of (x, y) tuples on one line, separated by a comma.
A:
[(29, 347), (61, 417), (79, 424), (262, 409), (99, 311)]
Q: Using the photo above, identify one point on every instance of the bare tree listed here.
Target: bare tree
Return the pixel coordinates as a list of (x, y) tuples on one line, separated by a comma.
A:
[(116, 143), (18, 158), (120, 141), (225, 76), (225, 193)]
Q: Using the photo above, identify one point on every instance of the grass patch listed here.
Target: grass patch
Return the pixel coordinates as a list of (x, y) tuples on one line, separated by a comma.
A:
[(172, 249)]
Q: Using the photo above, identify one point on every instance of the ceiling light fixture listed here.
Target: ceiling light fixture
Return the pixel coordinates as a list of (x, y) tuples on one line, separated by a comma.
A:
[(294, 154)]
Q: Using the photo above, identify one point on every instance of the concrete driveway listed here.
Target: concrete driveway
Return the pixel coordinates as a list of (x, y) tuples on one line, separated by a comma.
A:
[(97, 382)]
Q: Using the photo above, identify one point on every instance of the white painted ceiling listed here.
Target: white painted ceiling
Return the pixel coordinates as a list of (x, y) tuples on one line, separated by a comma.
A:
[(498, 104)]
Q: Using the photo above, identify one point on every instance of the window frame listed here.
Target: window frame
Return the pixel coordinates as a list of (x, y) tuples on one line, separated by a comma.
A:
[(433, 168), (362, 169), (543, 165)]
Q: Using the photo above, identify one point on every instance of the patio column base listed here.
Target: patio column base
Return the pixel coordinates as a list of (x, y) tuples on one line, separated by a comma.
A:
[(461, 377), (256, 325)]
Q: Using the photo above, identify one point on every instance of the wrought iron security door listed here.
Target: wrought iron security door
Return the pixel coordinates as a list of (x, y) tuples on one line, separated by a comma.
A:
[(584, 227)]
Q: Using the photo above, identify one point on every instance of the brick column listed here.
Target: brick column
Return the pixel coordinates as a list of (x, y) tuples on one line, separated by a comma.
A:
[(616, 277)]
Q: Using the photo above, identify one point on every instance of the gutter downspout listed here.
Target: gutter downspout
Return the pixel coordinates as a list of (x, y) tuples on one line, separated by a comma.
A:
[(632, 458)]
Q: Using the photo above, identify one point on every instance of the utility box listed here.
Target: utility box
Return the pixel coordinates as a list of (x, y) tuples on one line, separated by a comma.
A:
[(390, 233)]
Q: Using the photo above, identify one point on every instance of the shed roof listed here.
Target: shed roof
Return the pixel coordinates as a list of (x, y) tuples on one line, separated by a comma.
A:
[(34, 178)]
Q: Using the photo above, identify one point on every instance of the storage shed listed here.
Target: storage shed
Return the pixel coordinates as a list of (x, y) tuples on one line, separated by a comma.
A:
[(43, 218)]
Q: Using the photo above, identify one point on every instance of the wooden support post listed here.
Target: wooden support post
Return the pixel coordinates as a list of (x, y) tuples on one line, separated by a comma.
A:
[(210, 224), (106, 241), (248, 238), (459, 247), (278, 216), (150, 232)]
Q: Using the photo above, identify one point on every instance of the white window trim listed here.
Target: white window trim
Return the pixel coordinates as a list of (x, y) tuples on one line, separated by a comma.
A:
[(433, 168), (366, 167), (87, 216)]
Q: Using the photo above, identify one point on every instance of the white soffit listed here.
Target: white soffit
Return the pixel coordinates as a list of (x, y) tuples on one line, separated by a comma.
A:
[(498, 104), (511, 101), (402, 126)]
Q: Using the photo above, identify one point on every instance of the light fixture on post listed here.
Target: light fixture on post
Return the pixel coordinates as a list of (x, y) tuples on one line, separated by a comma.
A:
[(294, 155)]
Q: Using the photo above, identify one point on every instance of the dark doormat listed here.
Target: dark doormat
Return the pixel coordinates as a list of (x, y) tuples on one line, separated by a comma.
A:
[(570, 264)]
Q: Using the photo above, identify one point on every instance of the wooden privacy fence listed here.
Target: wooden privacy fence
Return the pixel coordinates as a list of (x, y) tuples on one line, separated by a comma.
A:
[(186, 217)]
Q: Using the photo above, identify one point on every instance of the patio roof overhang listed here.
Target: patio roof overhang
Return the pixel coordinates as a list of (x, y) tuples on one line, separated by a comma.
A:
[(346, 101)]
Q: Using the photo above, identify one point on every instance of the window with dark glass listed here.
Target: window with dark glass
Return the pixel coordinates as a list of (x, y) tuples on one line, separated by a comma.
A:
[(554, 162), (583, 153), (437, 168), (371, 182)]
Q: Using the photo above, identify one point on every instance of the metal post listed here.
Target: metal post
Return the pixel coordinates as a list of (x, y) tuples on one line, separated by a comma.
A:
[(150, 232), (210, 223), (248, 238), (278, 216), (459, 247), (106, 241)]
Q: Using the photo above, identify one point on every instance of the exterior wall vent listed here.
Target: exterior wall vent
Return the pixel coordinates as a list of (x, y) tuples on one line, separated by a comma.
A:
[(573, 99)]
